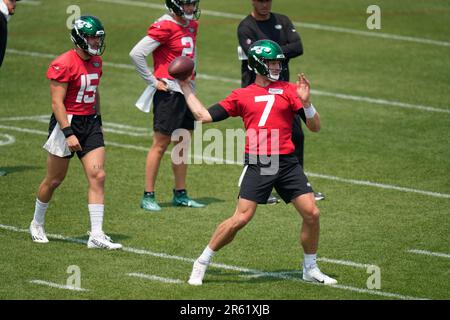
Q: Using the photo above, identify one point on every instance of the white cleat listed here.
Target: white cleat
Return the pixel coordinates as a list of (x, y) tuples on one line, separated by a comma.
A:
[(102, 241), (198, 272), (38, 233), (315, 275)]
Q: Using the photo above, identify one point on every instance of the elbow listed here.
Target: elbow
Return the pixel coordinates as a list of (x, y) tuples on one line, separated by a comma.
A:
[(134, 55)]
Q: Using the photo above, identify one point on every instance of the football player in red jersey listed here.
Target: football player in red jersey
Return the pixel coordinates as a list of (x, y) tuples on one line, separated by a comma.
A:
[(171, 36), (76, 127), (267, 107)]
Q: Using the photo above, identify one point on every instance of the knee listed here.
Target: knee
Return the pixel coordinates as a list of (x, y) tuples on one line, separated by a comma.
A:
[(54, 183), (160, 147), (312, 215), (98, 177)]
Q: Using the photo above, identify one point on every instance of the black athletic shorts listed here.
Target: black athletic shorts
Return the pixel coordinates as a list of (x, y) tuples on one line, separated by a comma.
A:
[(289, 180), (88, 131), (170, 112)]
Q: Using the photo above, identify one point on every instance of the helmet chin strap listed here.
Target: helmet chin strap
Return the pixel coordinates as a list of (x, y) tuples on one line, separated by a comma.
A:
[(188, 16), (272, 77)]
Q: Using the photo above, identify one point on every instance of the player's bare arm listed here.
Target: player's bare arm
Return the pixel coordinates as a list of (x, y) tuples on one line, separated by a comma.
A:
[(303, 93), (58, 91), (198, 110)]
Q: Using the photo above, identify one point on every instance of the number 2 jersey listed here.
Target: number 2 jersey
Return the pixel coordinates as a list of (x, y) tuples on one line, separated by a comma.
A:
[(82, 77), (175, 40), (268, 113)]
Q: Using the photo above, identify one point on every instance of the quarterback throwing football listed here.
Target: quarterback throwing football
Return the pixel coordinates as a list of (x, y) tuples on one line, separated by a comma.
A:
[(267, 108), (76, 127)]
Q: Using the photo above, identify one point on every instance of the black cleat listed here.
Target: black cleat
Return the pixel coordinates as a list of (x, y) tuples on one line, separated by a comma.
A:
[(319, 196), (272, 199)]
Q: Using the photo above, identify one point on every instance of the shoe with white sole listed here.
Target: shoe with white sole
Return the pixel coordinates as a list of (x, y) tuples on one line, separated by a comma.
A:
[(315, 275), (102, 241), (38, 233), (198, 272)]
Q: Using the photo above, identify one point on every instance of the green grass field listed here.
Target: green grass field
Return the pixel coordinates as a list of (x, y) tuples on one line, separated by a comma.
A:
[(382, 159)]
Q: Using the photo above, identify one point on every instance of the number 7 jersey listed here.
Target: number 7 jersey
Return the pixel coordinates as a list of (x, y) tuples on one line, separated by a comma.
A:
[(268, 113), (82, 77)]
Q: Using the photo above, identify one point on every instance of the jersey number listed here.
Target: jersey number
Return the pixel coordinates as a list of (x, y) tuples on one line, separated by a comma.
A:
[(270, 99), (187, 50), (87, 89)]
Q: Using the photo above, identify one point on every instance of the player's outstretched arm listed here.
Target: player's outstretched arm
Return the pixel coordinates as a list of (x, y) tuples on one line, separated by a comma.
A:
[(303, 92), (198, 110)]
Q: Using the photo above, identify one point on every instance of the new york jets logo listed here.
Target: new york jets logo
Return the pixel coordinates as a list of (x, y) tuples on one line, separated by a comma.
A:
[(260, 49), (80, 24)]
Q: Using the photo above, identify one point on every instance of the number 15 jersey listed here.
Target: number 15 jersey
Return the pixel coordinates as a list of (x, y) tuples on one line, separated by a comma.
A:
[(82, 77)]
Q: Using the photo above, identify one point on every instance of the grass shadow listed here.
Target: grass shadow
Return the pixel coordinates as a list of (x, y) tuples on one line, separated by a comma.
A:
[(7, 170)]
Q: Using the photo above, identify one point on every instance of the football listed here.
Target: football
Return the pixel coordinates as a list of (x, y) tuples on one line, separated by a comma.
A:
[(181, 68)]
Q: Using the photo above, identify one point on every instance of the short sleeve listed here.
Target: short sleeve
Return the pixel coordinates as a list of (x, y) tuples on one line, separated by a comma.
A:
[(159, 31), (231, 105), (58, 72)]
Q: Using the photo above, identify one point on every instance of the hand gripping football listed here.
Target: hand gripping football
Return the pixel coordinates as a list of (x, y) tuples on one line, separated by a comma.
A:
[(181, 68)]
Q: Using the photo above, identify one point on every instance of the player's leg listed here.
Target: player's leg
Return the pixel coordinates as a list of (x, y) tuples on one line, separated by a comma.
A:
[(223, 235), (181, 139), (309, 238), (160, 143), (94, 168), (56, 172), (298, 138)]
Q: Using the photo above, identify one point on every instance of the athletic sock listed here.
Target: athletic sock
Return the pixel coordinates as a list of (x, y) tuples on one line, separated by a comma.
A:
[(206, 256), (39, 212), (310, 261), (96, 215)]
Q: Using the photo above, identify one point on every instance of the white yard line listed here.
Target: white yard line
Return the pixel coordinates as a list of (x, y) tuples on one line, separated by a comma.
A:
[(226, 267), (30, 2), (315, 26), (217, 160), (58, 286), (154, 278), (345, 263), (236, 81), (430, 253)]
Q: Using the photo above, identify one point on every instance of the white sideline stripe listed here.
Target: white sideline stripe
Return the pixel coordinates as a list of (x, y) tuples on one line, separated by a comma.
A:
[(298, 24), (235, 81), (217, 160), (429, 253), (345, 263), (379, 185), (58, 286), (154, 278), (379, 101), (30, 2), (227, 267)]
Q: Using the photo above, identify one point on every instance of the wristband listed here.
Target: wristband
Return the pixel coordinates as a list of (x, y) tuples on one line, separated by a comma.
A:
[(67, 131), (310, 111), (99, 117)]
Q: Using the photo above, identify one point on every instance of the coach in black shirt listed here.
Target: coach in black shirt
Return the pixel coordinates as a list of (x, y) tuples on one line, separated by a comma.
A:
[(7, 8), (260, 24)]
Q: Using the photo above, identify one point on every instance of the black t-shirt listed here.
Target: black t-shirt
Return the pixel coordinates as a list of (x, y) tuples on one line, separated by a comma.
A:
[(3, 36), (278, 28)]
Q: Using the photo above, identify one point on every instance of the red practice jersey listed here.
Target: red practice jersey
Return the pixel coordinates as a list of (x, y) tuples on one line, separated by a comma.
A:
[(268, 114), (175, 40), (83, 78)]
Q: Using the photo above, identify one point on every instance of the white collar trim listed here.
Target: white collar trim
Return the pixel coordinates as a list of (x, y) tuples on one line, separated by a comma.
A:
[(4, 9)]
